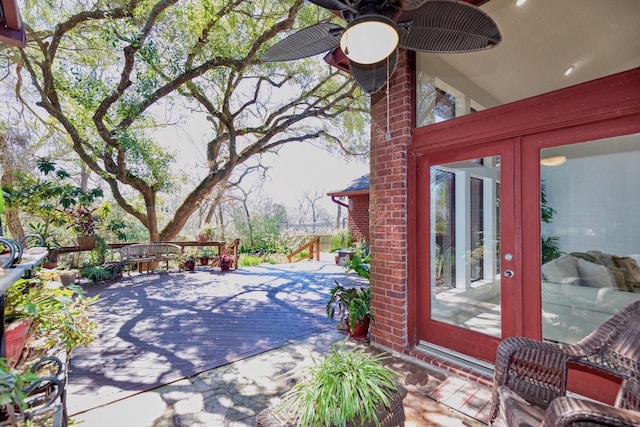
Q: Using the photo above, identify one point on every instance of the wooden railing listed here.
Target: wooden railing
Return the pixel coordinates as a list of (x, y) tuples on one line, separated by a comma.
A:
[(313, 246)]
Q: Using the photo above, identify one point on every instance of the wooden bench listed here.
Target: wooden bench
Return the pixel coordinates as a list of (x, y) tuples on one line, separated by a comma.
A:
[(148, 255)]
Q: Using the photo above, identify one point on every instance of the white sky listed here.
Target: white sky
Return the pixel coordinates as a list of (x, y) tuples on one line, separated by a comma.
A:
[(300, 168), (296, 169)]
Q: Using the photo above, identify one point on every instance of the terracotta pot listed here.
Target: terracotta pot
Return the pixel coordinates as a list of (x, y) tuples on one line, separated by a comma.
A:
[(68, 277), (86, 242), (224, 265), (204, 261), (15, 338), (360, 330), (189, 265)]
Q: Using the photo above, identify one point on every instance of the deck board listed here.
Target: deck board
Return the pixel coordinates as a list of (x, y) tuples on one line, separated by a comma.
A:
[(157, 329)]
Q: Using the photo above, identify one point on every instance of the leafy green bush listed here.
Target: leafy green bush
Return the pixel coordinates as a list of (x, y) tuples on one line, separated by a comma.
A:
[(249, 260), (62, 314), (344, 387), (343, 239)]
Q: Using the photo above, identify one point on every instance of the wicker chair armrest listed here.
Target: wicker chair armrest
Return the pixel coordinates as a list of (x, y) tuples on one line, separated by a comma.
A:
[(42, 395), (535, 370), (569, 411)]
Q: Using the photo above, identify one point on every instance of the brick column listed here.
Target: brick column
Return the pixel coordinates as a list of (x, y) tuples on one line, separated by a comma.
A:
[(388, 206)]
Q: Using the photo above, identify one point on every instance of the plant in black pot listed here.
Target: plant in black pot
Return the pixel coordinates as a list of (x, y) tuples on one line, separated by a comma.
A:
[(345, 388)]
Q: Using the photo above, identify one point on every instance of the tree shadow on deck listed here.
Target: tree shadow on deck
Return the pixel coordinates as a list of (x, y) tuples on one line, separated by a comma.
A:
[(156, 329)]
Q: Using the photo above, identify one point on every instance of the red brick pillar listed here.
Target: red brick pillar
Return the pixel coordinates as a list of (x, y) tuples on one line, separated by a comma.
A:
[(388, 206)]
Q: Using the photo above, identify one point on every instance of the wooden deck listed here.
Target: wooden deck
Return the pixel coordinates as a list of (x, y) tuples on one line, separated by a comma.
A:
[(156, 329)]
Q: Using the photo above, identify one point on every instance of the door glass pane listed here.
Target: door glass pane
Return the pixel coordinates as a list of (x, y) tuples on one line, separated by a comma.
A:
[(590, 234), (465, 280)]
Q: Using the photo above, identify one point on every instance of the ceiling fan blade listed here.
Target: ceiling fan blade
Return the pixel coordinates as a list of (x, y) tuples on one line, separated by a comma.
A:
[(307, 42), (445, 26), (373, 77), (331, 4), (411, 4)]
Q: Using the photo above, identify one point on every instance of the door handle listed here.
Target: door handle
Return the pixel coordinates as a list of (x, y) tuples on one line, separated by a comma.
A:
[(508, 274)]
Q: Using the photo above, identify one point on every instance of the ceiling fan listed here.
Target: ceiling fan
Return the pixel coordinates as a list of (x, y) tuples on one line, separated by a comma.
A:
[(376, 28)]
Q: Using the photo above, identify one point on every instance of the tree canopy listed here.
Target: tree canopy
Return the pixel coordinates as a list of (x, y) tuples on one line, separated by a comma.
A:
[(114, 75)]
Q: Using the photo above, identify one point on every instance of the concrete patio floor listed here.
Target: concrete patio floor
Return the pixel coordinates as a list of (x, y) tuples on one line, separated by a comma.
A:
[(213, 349)]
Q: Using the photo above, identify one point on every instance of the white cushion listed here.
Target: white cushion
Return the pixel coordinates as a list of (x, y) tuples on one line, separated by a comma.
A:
[(562, 270), (595, 275)]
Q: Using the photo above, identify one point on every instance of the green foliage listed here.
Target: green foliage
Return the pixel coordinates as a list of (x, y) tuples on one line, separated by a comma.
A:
[(128, 76), (62, 314), (54, 200), (96, 273), (249, 261), (359, 265), (550, 248), (344, 388), (262, 230), (12, 397), (343, 239), (349, 303), (207, 253), (546, 211)]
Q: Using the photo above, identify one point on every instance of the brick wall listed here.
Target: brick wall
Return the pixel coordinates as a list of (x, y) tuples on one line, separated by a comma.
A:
[(359, 218), (388, 207)]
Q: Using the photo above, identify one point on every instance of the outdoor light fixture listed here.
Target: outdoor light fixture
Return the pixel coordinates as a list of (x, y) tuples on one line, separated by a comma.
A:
[(553, 161), (369, 39)]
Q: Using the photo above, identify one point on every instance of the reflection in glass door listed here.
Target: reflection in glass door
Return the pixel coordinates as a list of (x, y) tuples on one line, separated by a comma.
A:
[(590, 234), (465, 244)]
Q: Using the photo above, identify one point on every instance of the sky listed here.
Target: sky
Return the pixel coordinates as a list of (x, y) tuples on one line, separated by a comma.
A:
[(301, 168), (296, 169)]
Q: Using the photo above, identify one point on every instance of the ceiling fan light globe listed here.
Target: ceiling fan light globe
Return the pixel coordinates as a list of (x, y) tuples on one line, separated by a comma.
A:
[(369, 39)]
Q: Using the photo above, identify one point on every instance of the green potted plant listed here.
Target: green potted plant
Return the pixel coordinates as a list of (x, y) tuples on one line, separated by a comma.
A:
[(12, 397), (354, 306), (344, 388), (186, 262), (60, 313), (205, 234), (84, 222), (207, 254), (97, 273)]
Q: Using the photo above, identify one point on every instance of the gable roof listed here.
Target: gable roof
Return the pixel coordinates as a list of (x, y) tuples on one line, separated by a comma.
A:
[(358, 187)]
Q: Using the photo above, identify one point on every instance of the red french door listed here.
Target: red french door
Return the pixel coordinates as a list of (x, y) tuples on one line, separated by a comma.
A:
[(471, 296)]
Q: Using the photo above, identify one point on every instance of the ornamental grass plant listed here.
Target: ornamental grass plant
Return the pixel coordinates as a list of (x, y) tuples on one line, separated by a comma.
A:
[(346, 388)]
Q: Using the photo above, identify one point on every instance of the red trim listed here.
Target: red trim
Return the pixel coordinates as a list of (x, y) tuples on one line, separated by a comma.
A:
[(606, 107), (596, 101)]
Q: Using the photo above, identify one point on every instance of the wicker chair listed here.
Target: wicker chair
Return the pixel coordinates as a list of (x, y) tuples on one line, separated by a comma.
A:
[(530, 378)]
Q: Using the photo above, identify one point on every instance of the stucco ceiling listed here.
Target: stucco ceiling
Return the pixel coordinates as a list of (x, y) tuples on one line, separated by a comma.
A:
[(542, 38)]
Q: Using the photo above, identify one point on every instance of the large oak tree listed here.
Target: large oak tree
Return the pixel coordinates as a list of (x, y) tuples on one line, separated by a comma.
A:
[(106, 72)]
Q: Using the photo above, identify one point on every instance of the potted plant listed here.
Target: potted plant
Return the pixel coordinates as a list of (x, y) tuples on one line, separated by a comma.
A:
[(58, 314), (186, 261), (84, 222), (68, 277), (18, 319), (205, 234), (207, 254), (344, 388), (12, 397), (96, 273), (354, 306), (225, 261)]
